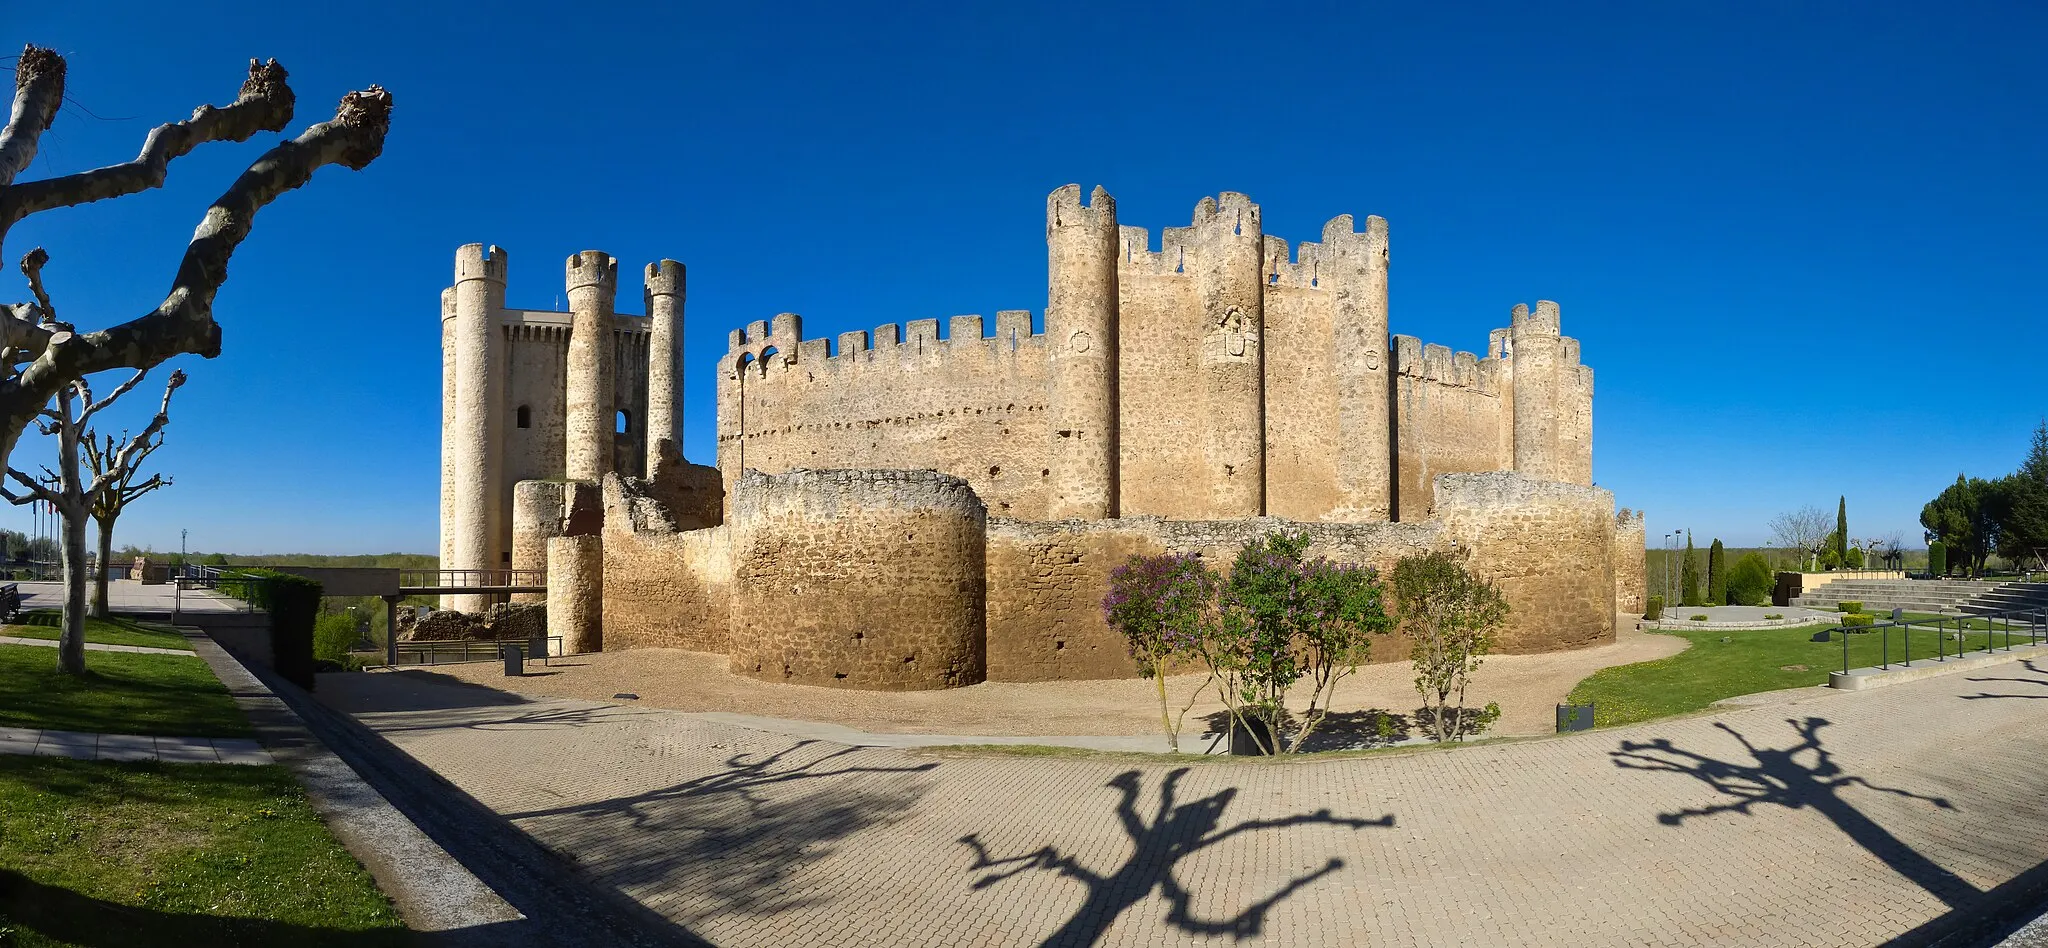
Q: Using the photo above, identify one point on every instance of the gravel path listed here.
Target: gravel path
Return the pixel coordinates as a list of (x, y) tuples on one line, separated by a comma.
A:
[(1528, 688)]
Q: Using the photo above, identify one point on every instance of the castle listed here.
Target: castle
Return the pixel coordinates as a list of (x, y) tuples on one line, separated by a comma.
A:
[(918, 509)]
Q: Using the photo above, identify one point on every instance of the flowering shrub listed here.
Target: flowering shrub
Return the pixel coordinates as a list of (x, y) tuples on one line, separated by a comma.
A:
[(1283, 618), (1165, 607)]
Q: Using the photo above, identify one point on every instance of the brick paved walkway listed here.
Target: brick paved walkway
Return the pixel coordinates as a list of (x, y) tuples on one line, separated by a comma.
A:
[(1846, 818)]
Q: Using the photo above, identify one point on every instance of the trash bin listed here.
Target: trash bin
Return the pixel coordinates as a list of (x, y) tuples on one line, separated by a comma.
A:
[(515, 660), (1243, 743)]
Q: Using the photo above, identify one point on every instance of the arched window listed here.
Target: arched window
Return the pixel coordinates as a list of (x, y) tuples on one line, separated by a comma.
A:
[(625, 422), (525, 417)]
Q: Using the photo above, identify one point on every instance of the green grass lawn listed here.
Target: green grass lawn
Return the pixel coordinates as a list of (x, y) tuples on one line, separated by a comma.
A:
[(1748, 662), (121, 693), (43, 624), (117, 854)]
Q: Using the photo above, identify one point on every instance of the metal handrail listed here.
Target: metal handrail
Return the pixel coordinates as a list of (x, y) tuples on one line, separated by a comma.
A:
[(470, 578), (2035, 630)]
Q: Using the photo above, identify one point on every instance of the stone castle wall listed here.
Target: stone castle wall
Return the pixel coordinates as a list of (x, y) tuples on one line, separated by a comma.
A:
[(1549, 546), (970, 405), (1454, 414), (858, 579), (1631, 585)]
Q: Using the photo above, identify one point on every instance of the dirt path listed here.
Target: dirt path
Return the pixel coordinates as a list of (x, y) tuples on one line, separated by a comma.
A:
[(1527, 686)]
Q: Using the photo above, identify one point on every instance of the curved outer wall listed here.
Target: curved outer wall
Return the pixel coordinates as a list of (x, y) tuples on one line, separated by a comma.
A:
[(858, 579), (1548, 546), (1631, 586)]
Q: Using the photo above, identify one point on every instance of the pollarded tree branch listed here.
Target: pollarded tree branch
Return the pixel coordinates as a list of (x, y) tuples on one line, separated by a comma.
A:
[(36, 491), (38, 91), (264, 105), (92, 407), (183, 323), (130, 455)]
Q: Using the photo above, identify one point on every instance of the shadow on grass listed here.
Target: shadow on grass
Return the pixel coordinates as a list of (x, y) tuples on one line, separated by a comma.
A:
[(1777, 777), (1175, 831), (68, 917), (739, 839)]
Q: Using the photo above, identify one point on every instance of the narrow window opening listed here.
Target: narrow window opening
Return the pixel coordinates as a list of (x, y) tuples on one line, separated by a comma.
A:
[(525, 417), (625, 422)]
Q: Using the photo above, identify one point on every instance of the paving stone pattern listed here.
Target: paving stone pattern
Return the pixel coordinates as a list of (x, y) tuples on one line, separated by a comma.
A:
[(1838, 819), (85, 745)]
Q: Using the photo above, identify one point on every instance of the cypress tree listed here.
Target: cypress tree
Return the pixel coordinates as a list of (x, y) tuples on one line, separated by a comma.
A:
[(1689, 575), (1717, 574), (1842, 530)]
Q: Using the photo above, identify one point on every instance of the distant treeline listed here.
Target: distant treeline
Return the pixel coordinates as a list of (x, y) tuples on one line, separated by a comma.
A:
[(385, 560), (1653, 560)]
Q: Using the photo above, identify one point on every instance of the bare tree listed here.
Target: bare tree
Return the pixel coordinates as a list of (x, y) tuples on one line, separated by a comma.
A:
[(114, 463), (1806, 530), (41, 358), (67, 490)]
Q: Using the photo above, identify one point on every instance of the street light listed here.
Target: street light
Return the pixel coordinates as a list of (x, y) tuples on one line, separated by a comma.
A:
[(178, 580)]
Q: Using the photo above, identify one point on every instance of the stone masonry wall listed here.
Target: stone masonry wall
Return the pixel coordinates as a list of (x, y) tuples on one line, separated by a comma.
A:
[(1450, 418), (1550, 548), (1046, 582), (665, 589), (967, 405), (1631, 586), (858, 579)]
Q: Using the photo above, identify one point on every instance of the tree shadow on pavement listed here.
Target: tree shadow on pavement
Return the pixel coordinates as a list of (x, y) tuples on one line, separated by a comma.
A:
[(2032, 667), (1176, 831), (1777, 777), (735, 840)]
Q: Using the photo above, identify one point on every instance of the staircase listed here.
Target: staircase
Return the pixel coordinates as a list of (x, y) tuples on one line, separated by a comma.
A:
[(1950, 596)]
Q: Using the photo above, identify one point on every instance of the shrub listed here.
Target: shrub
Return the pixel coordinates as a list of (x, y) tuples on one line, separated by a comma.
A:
[(1450, 615), (1857, 620), (1849, 605), (294, 604), (1655, 610), (1717, 574), (334, 633), (1830, 560), (1699, 618), (1689, 577), (1774, 615), (1164, 606), (1937, 558), (1749, 580), (1282, 618), (1854, 560)]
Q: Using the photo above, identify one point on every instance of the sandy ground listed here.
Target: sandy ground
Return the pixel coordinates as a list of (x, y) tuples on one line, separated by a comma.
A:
[(1527, 686)]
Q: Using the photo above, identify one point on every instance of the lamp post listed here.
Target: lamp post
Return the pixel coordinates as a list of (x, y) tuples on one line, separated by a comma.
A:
[(178, 581)]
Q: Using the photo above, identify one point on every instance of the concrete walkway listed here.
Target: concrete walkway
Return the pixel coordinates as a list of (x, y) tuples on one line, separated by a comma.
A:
[(1825, 818), (82, 745), (97, 647)]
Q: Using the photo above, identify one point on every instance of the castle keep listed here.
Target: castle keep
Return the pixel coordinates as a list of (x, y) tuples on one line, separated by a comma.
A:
[(921, 507)]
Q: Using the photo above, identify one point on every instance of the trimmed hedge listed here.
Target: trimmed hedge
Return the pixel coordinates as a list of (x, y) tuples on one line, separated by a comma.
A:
[(1858, 620), (1656, 608), (1937, 558), (1717, 574), (1749, 581), (294, 606), (1849, 605)]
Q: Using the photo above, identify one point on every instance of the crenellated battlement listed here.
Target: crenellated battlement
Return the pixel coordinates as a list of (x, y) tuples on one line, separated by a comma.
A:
[(1313, 261), (1545, 321), (770, 347), (1416, 360), (476, 262), (665, 278), (593, 268), (1063, 208)]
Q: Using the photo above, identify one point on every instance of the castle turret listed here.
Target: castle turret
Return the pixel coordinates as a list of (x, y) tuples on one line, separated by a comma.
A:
[(1537, 357), (664, 359), (593, 281), (448, 468), (1225, 253), (474, 514), (1081, 331), (1354, 268)]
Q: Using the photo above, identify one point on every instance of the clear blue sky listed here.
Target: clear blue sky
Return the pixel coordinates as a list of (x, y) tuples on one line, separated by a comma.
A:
[(1802, 246)]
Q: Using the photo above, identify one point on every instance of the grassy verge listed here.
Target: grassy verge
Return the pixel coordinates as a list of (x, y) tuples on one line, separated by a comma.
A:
[(1726, 664), (101, 853), (43, 624), (121, 693)]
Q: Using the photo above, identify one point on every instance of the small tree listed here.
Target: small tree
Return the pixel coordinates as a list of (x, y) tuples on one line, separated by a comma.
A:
[(1717, 574), (1282, 618), (1749, 580), (1937, 558), (112, 462), (67, 490), (1689, 576), (1803, 531), (1842, 529), (1164, 606), (1450, 615)]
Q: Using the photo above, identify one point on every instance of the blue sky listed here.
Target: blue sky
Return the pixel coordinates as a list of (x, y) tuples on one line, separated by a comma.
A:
[(1801, 246)]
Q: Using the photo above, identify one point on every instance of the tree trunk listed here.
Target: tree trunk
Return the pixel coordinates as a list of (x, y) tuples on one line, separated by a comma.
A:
[(71, 647), (99, 582)]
